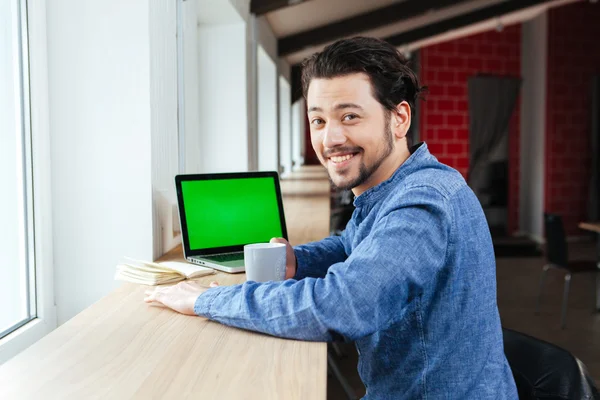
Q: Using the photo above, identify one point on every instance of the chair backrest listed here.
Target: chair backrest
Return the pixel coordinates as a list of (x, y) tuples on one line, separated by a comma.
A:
[(545, 371), (556, 241)]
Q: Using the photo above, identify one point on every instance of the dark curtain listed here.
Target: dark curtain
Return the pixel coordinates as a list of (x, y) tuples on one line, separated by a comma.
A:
[(492, 100)]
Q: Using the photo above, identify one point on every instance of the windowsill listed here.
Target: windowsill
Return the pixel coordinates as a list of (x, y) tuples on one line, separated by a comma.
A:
[(23, 337)]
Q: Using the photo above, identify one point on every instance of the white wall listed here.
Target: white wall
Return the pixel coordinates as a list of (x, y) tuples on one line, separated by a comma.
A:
[(285, 125), (267, 112), (163, 106), (533, 109), (99, 99)]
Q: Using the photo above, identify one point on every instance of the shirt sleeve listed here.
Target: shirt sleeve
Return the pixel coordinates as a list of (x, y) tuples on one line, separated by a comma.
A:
[(314, 259), (357, 297)]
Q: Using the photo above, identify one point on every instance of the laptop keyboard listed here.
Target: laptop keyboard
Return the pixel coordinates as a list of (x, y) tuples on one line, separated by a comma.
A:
[(226, 257)]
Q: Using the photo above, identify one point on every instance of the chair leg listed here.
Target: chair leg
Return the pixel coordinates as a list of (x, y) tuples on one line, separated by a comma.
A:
[(597, 292), (542, 280), (340, 377), (598, 251), (337, 349), (563, 318), (597, 305)]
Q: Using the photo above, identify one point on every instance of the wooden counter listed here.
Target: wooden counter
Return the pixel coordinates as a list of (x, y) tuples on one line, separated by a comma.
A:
[(122, 348)]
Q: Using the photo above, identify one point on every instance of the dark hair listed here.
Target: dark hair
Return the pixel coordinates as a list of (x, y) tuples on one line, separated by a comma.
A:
[(391, 78)]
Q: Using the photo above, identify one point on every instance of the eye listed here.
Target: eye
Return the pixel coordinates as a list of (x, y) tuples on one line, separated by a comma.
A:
[(349, 117), (317, 121)]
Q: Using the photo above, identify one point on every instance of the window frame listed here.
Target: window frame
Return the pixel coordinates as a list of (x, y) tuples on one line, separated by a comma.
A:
[(33, 13)]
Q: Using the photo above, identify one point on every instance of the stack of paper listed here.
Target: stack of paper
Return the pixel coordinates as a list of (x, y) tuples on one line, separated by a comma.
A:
[(152, 273)]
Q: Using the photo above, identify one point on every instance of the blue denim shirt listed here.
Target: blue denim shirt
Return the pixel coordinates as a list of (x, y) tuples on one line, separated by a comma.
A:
[(412, 281)]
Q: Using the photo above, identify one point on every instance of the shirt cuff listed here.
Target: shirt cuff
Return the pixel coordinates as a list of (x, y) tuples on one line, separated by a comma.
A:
[(205, 300), (300, 261)]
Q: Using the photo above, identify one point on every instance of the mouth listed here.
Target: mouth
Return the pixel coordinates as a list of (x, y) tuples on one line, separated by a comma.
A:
[(340, 161)]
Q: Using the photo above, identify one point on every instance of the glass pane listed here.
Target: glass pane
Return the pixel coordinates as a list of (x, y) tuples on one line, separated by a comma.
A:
[(14, 173)]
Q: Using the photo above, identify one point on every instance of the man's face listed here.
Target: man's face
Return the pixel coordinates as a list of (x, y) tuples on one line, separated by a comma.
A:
[(350, 130)]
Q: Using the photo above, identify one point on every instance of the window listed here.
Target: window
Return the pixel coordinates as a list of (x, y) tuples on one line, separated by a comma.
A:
[(17, 285), (27, 309)]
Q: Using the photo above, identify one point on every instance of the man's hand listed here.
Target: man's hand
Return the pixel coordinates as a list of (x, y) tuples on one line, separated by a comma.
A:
[(180, 297), (290, 257)]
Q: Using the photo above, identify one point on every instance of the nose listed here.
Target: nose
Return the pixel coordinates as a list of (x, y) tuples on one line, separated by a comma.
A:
[(334, 136)]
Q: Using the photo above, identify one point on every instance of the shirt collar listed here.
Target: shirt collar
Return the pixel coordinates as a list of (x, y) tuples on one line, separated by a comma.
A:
[(420, 155)]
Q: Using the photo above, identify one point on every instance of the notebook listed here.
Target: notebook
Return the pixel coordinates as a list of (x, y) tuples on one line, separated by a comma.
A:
[(158, 273), (221, 213)]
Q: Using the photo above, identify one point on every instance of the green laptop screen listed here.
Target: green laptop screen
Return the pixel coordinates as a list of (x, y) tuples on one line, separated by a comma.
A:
[(230, 212)]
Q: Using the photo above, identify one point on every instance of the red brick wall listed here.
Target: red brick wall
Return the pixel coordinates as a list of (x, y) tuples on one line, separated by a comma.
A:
[(573, 58), (444, 116)]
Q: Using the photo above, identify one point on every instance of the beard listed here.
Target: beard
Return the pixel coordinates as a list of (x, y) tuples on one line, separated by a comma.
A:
[(365, 171)]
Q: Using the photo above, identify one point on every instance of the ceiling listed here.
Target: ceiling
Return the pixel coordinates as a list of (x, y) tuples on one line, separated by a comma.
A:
[(314, 13), (304, 28)]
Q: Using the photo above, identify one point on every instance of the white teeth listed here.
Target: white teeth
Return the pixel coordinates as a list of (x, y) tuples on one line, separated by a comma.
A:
[(339, 159)]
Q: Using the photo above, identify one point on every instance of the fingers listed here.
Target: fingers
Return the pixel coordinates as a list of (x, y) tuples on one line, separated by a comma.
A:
[(149, 295), (278, 240), (153, 295), (166, 293)]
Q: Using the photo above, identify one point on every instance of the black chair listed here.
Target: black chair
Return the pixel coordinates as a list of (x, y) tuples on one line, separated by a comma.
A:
[(557, 257), (334, 368), (545, 371), (341, 206)]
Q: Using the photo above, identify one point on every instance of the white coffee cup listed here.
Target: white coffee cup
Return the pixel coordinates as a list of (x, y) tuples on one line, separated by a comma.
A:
[(265, 262)]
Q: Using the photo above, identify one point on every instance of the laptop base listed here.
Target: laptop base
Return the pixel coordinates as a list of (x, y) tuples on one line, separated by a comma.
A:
[(232, 267)]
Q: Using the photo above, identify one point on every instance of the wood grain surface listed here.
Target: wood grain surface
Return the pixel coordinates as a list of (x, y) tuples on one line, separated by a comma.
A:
[(122, 348)]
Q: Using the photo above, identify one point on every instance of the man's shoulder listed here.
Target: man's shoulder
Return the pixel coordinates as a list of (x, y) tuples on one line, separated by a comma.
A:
[(437, 179)]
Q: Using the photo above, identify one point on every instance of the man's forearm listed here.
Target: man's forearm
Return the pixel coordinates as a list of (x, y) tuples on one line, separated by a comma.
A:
[(269, 308), (314, 259)]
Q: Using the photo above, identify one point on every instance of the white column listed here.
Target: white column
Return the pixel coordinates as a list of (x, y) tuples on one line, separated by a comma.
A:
[(285, 125), (298, 126), (164, 122), (220, 142), (267, 112), (533, 118)]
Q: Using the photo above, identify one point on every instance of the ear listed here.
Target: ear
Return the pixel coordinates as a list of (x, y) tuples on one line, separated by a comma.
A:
[(401, 119)]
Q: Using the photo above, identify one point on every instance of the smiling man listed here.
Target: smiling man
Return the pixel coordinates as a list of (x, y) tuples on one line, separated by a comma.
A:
[(412, 278), (338, 131)]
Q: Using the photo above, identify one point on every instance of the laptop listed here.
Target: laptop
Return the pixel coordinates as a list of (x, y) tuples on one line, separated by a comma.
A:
[(220, 213)]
